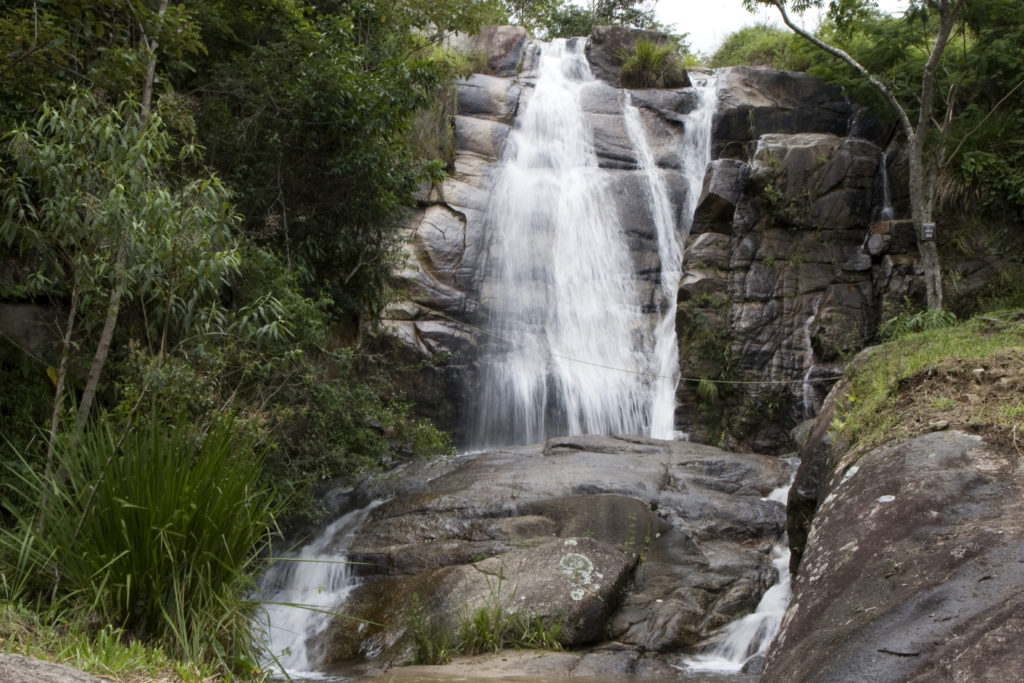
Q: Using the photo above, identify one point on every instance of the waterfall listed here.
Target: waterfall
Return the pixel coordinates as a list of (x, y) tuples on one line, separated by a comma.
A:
[(298, 594), (811, 399), (751, 635), (887, 211), (571, 348)]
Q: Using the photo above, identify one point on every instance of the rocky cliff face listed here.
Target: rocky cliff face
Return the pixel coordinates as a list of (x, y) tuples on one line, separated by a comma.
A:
[(787, 269), (912, 552)]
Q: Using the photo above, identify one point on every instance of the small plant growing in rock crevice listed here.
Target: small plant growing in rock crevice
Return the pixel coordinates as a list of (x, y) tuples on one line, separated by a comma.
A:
[(652, 65), (491, 627), (707, 391), (432, 644)]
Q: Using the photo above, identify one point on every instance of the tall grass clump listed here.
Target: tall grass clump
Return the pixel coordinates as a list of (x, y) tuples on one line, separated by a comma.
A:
[(156, 530), (652, 65), (922, 321)]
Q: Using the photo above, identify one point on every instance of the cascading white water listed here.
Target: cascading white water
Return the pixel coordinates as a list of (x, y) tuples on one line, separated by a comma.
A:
[(298, 594), (672, 234), (564, 312), (887, 213), (571, 350), (752, 634), (811, 399)]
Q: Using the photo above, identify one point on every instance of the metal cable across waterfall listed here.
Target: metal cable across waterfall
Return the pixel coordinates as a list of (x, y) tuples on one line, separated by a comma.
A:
[(641, 373)]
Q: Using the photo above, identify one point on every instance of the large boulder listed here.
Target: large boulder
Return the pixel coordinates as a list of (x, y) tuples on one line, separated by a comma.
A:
[(500, 48), (649, 544), (907, 556), (913, 568), (755, 100)]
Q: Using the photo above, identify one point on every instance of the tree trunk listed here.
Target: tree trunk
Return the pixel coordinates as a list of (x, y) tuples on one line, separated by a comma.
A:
[(62, 376), (147, 84), (99, 358), (921, 199)]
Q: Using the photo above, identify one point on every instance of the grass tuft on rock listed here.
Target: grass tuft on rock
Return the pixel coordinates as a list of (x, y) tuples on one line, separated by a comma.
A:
[(652, 65)]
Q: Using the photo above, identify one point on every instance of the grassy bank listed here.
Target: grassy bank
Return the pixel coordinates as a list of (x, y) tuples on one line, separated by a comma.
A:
[(967, 375), (103, 652)]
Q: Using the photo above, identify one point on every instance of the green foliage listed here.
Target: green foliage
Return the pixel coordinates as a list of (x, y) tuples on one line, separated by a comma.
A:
[(341, 425), (763, 45), (49, 46), (652, 65), (707, 391), (431, 644), (493, 627), (488, 628), (156, 528), (309, 118), (548, 19), (87, 181), (25, 402)]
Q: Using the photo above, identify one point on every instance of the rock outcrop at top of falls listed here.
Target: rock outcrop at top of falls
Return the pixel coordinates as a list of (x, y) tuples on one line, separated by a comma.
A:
[(779, 282), (557, 532)]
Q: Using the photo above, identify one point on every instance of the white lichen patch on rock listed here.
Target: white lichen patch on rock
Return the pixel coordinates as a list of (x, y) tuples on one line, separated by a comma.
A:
[(578, 566), (580, 571)]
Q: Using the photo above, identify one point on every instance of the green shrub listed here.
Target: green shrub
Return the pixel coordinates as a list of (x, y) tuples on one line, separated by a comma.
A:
[(921, 321), (652, 65), (156, 530), (763, 45), (431, 644)]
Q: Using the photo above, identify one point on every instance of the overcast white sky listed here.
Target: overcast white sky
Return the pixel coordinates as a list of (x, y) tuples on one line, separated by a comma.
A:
[(709, 21)]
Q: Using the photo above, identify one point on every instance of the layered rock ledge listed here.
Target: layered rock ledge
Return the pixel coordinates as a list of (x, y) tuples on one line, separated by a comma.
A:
[(637, 548)]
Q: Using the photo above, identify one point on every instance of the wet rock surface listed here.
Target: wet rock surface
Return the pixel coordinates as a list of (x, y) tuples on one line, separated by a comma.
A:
[(913, 567), (647, 544)]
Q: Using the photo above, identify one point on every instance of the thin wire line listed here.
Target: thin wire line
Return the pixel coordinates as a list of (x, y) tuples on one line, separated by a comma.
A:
[(650, 375)]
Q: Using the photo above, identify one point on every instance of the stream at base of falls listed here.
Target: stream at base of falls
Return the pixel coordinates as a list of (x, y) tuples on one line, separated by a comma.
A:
[(304, 591), (750, 636), (300, 593)]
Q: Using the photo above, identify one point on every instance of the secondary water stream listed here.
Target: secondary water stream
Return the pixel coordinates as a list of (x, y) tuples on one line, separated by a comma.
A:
[(300, 592), (751, 635)]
